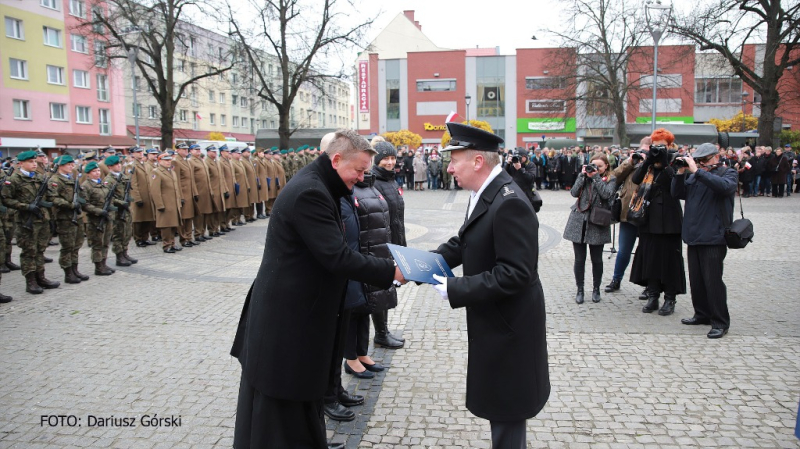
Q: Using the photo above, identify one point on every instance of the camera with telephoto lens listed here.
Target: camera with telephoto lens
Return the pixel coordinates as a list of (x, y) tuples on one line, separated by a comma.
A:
[(656, 151), (677, 161), (591, 168), (515, 159)]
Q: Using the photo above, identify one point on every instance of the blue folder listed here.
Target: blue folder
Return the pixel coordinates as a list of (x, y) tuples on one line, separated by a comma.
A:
[(419, 266)]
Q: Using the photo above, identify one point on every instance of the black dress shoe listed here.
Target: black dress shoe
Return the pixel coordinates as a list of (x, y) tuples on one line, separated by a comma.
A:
[(693, 321), (643, 295), (217, 234), (47, 259), (207, 238), (188, 244), (375, 367), (387, 341), (201, 238), (52, 243), (142, 244), (146, 242), (362, 375), (177, 248), (156, 238), (230, 229), (169, 250), (335, 445), (717, 333), (338, 412), (349, 400)]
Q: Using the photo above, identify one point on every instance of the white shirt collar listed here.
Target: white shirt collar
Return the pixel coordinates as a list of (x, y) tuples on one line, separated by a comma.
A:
[(475, 195)]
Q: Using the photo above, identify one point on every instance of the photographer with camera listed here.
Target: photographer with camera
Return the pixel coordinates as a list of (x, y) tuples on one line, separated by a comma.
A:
[(593, 189), (658, 262), (708, 192), (523, 173)]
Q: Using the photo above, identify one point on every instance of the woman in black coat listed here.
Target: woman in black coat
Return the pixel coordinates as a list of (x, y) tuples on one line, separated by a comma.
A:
[(383, 169), (658, 262), (524, 174)]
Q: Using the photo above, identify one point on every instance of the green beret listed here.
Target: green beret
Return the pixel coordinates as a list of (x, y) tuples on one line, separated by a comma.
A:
[(284, 151), (112, 160), (90, 166), (26, 155), (274, 148), (65, 159), (291, 150)]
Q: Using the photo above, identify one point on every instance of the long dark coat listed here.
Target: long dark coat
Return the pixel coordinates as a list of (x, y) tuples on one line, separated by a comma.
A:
[(294, 306), (664, 213), (602, 191), (499, 249)]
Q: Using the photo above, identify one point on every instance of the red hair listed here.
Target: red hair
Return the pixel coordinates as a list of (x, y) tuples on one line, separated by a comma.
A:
[(662, 134)]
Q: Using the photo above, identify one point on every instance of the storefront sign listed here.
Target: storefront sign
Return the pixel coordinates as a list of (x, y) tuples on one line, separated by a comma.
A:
[(363, 86), (432, 127), (546, 125), (687, 120)]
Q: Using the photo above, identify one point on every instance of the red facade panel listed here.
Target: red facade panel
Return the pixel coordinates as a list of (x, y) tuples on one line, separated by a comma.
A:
[(672, 60), (439, 65)]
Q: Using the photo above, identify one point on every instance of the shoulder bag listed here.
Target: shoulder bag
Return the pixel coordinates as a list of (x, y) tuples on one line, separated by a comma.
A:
[(598, 216), (739, 233)]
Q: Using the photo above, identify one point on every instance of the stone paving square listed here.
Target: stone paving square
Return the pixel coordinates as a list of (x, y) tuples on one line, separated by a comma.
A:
[(152, 340)]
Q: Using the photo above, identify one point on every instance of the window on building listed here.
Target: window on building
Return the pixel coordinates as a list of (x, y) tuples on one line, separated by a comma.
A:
[(104, 117), (212, 118), (83, 114), (52, 4), (181, 65), (263, 105), (19, 69), (718, 90), (80, 78), (235, 99), (137, 110), (100, 59), (392, 99), (152, 112), (545, 82), (14, 28), (58, 111), (77, 8), (443, 85), (222, 97), (234, 77), (263, 124), (97, 17), (212, 96), (222, 119), (22, 109), (244, 102), (272, 124), (102, 87), (55, 75), (79, 43), (52, 37), (665, 81), (192, 69), (235, 121), (183, 115)]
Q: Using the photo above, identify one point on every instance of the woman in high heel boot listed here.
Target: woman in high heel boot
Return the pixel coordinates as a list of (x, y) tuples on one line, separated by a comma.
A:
[(592, 188)]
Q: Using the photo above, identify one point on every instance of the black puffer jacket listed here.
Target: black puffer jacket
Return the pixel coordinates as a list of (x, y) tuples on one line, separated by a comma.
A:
[(373, 220), (385, 183)]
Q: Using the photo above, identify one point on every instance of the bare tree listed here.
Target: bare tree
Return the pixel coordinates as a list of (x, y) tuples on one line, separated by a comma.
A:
[(728, 26), (600, 40), (301, 36), (160, 33)]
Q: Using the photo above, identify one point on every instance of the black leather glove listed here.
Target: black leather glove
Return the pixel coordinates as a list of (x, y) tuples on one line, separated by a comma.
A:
[(227, 195), (196, 198), (183, 202), (140, 204), (34, 209), (162, 209), (81, 200), (44, 203), (104, 213), (248, 189), (123, 206)]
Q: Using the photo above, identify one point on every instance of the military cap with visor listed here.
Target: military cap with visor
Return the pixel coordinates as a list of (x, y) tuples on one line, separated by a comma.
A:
[(466, 137)]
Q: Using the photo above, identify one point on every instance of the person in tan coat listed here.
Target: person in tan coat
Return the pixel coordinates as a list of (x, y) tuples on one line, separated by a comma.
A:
[(262, 172), (142, 210), (254, 184), (218, 191), (226, 165), (278, 179), (202, 202), (183, 172), (166, 195), (240, 179)]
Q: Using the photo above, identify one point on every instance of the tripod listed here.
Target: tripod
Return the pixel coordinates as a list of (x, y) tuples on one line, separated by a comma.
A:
[(613, 249)]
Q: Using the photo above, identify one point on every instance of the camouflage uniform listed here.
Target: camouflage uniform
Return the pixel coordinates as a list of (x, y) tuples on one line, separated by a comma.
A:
[(95, 193), (19, 191), (123, 222), (447, 178), (69, 225), (9, 229)]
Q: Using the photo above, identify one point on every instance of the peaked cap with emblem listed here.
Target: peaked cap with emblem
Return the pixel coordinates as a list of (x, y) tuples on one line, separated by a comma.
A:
[(466, 137)]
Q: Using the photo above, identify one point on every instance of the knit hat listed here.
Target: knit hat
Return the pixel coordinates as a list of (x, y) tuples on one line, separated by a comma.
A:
[(383, 149)]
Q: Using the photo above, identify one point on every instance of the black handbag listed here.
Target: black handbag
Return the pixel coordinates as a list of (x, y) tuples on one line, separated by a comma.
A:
[(600, 216), (536, 201), (739, 233), (616, 209)]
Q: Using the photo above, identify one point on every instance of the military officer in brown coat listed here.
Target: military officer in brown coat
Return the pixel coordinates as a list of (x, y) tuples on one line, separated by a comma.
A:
[(226, 164), (500, 290), (142, 210), (202, 202), (167, 201), (242, 193), (254, 184), (262, 172), (183, 171), (218, 190)]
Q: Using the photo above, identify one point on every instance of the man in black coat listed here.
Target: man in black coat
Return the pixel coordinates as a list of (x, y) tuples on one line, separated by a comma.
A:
[(286, 336), (507, 372)]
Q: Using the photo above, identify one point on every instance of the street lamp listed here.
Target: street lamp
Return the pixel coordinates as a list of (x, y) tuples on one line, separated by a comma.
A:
[(744, 100), (467, 99), (133, 51), (657, 16)]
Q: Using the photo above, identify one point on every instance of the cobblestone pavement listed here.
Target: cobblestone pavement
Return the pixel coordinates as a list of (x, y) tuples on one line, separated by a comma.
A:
[(153, 339)]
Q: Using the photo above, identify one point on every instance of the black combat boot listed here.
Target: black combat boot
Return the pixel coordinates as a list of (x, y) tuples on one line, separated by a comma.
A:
[(69, 276), (4, 298), (30, 284), (47, 259), (130, 259), (643, 295), (11, 265), (4, 268), (106, 265), (579, 296), (382, 336), (122, 261), (78, 274), (612, 286), (669, 305), (652, 302), (100, 269), (44, 282)]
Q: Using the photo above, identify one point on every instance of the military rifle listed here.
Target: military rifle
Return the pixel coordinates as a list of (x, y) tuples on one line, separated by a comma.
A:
[(76, 201), (101, 226), (126, 195)]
